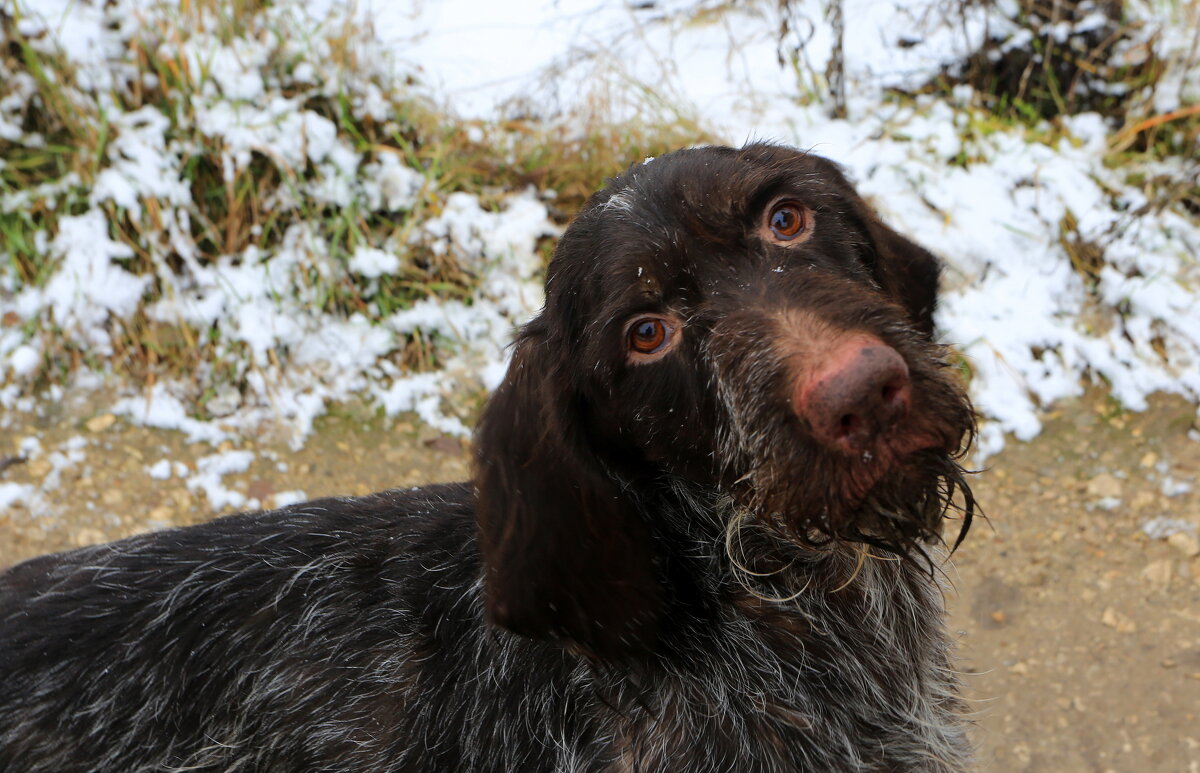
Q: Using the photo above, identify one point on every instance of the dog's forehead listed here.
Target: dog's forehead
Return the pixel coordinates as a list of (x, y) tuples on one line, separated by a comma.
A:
[(657, 217), (708, 194), (692, 182), (683, 223)]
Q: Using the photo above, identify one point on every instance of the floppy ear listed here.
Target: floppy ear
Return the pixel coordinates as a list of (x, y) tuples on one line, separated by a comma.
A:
[(906, 270), (566, 556)]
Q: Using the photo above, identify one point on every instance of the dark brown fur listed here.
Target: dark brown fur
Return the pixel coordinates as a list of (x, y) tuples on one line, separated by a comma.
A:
[(660, 564)]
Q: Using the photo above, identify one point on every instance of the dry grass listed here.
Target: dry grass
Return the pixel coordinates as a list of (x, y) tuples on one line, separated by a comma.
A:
[(1110, 68), (233, 212)]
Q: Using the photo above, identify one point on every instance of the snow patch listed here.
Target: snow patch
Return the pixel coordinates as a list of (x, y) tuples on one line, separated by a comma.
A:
[(209, 472)]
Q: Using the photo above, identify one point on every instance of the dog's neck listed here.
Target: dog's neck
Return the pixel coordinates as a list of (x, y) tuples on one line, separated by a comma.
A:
[(727, 545)]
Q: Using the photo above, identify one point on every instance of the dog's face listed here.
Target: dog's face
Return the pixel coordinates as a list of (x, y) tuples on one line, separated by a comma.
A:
[(737, 319)]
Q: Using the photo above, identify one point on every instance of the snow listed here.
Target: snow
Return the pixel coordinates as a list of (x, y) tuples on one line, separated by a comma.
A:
[(61, 458), (160, 408), (12, 493), (285, 498), (1162, 527), (160, 470), (90, 285), (209, 472), (23, 360), (373, 263), (141, 164), (1026, 320), (398, 186)]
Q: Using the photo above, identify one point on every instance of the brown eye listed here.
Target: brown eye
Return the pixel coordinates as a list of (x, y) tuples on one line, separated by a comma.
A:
[(649, 335), (786, 220)]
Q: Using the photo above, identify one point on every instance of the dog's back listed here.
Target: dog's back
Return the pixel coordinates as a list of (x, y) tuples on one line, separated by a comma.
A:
[(300, 639)]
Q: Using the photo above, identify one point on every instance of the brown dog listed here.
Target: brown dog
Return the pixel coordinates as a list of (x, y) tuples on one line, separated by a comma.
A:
[(694, 540)]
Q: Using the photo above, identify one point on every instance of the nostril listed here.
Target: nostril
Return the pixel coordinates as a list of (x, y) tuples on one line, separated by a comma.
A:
[(849, 424), (896, 395), (862, 392)]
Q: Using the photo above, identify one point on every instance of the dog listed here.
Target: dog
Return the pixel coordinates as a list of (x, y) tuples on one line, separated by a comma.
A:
[(702, 534)]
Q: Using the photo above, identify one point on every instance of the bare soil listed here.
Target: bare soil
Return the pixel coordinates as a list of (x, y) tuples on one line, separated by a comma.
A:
[(1079, 633)]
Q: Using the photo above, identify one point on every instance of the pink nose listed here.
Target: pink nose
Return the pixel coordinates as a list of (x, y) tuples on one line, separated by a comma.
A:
[(861, 391)]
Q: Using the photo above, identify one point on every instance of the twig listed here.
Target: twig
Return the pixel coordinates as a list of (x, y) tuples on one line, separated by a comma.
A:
[(1127, 136)]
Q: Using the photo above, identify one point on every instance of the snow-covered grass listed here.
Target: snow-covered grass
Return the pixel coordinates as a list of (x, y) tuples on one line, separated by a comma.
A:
[(252, 210), (239, 213)]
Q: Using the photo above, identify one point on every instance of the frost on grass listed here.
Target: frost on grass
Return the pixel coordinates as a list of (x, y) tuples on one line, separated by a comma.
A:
[(232, 199), (1062, 267)]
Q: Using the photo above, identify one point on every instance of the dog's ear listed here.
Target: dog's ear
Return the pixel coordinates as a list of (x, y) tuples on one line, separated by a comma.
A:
[(566, 556), (907, 271)]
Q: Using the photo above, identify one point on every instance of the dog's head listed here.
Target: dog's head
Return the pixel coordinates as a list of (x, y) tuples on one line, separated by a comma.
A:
[(737, 319)]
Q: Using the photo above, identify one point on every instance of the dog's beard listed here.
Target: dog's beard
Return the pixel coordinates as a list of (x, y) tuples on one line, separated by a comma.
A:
[(815, 499), (896, 495), (893, 498)]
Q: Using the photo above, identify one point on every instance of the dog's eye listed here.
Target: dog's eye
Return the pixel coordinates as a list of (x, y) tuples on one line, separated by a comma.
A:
[(649, 335), (786, 220)]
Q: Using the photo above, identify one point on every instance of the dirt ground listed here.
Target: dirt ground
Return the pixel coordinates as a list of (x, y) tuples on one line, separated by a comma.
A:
[(1079, 632)]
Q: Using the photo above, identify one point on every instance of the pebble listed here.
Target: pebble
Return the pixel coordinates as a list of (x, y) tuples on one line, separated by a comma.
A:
[(445, 444), (100, 423), (1114, 619), (89, 537), (224, 402), (40, 468), (1143, 500), (1104, 486), (1158, 573), (1185, 543), (161, 513), (260, 489)]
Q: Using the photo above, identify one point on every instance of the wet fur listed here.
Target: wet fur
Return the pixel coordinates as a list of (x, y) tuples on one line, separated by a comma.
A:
[(655, 568)]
